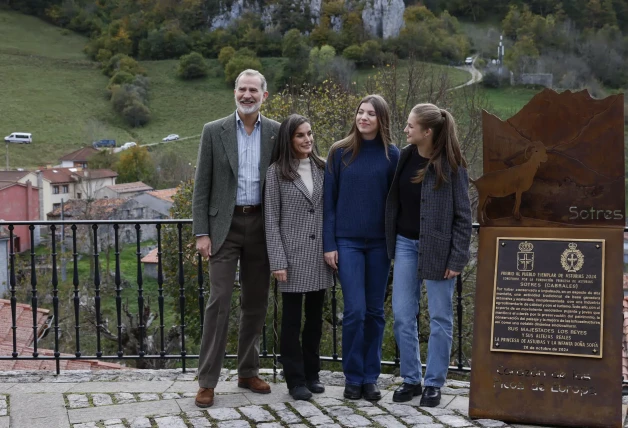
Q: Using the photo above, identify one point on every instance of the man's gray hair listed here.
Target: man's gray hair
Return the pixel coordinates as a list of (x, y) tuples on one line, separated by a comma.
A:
[(254, 73)]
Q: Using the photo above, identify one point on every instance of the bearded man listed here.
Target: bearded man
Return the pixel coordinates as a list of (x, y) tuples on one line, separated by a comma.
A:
[(233, 157)]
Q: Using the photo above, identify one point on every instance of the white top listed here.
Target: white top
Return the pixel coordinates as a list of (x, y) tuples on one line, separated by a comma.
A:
[(305, 171)]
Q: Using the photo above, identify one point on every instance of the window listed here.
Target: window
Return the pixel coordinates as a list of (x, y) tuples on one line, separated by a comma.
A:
[(55, 190), (78, 195), (56, 206), (138, 212), (66, 188)]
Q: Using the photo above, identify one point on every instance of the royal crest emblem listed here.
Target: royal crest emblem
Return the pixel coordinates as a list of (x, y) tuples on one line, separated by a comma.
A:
[(572, 258), (525, 257)]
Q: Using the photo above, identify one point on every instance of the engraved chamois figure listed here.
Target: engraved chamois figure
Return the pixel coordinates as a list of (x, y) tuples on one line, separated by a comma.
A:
[(517, 179)]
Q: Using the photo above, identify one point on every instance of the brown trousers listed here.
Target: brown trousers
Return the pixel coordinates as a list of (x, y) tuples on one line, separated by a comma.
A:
[(245, 241)]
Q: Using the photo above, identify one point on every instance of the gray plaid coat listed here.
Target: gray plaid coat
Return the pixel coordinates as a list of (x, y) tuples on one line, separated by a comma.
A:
[(445, 228), (294, 231)]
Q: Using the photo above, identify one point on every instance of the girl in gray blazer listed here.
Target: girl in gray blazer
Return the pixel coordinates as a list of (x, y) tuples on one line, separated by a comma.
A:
[(428, 230), (294, 237)]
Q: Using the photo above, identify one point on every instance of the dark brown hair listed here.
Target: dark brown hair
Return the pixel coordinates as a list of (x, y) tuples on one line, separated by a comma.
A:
[(283, 154), (446, 147), (353, 141)]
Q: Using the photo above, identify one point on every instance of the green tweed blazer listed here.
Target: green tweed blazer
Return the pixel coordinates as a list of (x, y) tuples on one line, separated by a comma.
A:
[(216, 180)]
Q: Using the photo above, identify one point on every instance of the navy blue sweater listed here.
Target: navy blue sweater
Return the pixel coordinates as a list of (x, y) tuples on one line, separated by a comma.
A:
[(355, 195)]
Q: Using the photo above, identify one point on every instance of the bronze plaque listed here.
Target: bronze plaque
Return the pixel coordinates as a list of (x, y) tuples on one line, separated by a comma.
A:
[(539, 388), (547, 296)]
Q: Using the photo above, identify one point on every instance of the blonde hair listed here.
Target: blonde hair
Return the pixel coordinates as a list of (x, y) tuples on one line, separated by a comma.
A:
[(446, 147)]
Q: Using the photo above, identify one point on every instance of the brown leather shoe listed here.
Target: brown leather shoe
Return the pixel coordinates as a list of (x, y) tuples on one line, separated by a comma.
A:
[(255, 384), (204, 397)]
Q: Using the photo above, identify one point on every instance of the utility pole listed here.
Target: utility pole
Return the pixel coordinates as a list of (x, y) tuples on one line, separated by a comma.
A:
[(500, 53), (7, 156)]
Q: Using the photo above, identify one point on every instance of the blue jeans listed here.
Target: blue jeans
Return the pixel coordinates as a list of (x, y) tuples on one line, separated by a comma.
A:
[(363, 267), (405, 302)]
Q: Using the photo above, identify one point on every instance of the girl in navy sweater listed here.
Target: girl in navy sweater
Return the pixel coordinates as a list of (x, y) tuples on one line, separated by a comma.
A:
[(360, 170)]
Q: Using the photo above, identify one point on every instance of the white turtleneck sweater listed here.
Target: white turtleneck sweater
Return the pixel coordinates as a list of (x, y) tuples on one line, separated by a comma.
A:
[(305, 171)]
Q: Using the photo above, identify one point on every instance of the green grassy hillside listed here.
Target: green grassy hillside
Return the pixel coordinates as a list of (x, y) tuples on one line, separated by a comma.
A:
[(50, 89)]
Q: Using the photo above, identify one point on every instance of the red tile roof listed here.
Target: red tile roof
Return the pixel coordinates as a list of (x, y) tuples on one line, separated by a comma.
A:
[(94, 174), (164, 194), (12, 175), (24, 340), (136, 186), (80, 155), (100, 209), (65, 175)]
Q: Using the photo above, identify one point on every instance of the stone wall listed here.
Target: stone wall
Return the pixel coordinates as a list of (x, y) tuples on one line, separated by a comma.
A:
[(541, 79)]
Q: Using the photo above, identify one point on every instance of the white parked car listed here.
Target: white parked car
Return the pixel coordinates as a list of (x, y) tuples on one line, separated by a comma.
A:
[(19, 137), (171, 137), (469, 60), (128, 145)]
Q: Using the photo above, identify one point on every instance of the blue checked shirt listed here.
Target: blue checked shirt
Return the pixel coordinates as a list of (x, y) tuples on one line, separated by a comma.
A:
[(249, 152)]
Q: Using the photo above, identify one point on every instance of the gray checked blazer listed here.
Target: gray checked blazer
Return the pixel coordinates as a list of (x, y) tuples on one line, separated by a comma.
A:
[(445, 228), (294, 231), (216, 181)]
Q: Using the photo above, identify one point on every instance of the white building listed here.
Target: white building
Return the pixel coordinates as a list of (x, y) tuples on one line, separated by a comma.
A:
[(72, 183)]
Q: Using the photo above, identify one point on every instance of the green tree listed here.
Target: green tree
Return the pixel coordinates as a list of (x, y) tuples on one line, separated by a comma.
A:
[(192, 66), (225, 55), (135, 164), (238, 64), (297, 51), (136, 113), (353, 53)]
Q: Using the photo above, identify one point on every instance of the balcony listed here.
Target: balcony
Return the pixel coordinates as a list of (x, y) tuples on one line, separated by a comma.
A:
[(88, 300)]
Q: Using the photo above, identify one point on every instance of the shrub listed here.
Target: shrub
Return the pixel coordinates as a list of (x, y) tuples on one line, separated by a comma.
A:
[(192, 66), (225, 55), (136, 114), (237, 65), (353, 53), (120, 78), (371, 52), (121, 62), (103, 56)]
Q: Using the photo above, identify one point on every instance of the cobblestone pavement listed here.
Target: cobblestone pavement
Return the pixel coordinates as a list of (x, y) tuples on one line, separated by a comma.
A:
[(165, 399)]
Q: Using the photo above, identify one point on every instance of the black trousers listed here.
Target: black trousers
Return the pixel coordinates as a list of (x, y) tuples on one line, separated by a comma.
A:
[(300, 358)]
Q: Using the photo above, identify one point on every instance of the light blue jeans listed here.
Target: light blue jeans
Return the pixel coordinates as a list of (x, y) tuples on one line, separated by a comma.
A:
[(405, 301)]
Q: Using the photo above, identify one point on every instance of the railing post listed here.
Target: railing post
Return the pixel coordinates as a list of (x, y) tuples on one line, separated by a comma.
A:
[(334, 320), (77, 300), (55, 297), (160, 283), (13, 281), (459, 310), (275, 334), (201, 291), (97, 290), (140, 290), (33, 290), (118, 281), (181, 295)]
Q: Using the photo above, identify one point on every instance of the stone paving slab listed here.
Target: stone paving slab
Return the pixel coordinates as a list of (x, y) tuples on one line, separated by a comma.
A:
[(166, 399), (124, 411)]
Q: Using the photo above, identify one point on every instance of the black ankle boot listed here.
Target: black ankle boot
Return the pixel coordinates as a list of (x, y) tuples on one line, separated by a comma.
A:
[(315, 386), (370, 392), (430, 397), (406, 391), (353, 392), (300, 392)]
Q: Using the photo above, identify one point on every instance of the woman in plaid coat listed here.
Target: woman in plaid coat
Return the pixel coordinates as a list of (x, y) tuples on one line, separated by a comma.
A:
[(294, 236), (428, 230)]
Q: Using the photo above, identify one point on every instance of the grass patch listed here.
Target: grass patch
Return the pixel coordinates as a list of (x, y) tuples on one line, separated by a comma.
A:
[(505, 102)]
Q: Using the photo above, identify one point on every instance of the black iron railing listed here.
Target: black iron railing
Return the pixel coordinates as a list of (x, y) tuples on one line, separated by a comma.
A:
[(50, 230)]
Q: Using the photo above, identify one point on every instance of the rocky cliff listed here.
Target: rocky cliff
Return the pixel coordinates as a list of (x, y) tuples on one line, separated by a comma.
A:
[(382, 18)]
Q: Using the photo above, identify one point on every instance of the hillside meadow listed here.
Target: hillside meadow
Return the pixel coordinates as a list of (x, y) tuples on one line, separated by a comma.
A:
[(51, 90)]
